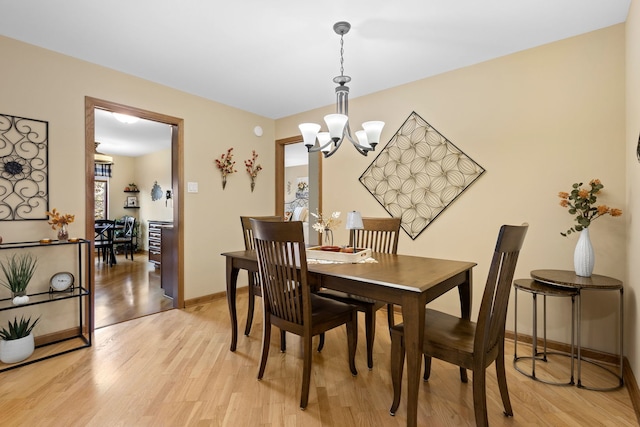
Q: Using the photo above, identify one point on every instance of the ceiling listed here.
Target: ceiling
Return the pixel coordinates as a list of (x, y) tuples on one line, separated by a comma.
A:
[(130, 139), (277, 58)]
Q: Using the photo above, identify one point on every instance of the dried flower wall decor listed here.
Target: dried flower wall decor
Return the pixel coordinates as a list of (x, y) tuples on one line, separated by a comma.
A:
[(226, 164), (24, 168), (252, 168), (418, 174)]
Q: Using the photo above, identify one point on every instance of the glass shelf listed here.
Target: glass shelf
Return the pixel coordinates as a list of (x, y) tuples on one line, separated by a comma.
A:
[(20, 245), (42, 297)]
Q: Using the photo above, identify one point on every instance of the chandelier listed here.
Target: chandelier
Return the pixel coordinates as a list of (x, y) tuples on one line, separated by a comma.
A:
[(338, 124)]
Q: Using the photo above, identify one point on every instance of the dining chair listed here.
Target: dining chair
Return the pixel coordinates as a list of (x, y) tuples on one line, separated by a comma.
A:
[(470, 345), (103, 239), (254, 277), (126, 235), (287, 300), (379, 235)]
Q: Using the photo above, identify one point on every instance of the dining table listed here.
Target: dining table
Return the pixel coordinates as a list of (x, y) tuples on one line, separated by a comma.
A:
[(407, 281)]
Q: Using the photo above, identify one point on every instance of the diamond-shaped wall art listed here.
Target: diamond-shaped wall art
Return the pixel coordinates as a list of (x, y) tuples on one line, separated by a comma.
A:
[(418, 174)]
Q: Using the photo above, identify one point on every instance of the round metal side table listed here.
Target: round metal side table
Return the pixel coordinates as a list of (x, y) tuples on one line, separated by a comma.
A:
[(596, 282), (537, 288)]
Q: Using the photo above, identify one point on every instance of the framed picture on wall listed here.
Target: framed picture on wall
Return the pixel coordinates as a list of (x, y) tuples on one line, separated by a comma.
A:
[(132, 201)]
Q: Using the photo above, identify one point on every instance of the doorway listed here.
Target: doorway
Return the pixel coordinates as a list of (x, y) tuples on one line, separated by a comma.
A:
[(177, 180), (314, 181)]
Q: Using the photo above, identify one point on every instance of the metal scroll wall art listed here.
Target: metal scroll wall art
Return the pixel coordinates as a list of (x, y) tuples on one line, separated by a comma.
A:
[(24, 168), (418, 174)]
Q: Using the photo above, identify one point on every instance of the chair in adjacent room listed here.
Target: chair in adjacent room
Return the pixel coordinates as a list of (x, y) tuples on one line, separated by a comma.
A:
[(126, 236), (103, 240), (470, 345), (379, 235), (254, 278), (288, 302)]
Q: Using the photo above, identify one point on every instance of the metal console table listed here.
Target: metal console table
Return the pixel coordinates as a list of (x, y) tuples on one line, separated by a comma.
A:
[(79, 336), (568, 279)]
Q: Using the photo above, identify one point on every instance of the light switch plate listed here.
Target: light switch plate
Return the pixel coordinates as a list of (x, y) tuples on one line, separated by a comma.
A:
[(192, 187)]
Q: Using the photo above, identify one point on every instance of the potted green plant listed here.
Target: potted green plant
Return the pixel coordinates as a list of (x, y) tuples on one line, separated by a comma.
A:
[(18, 271), (17, 342)]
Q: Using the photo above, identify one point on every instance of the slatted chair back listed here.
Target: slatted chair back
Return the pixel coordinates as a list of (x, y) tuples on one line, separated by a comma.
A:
[(282, 264), (128, 227), (126, 235), (247, 232), (495, 299), (378, 234), (254, 277)]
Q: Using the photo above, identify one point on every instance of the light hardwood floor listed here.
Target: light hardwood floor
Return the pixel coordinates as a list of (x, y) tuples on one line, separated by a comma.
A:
[(175, 369), (127, 290)]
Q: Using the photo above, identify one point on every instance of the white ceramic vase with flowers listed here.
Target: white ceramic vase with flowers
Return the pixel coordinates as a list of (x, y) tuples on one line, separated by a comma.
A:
[(581, 202)]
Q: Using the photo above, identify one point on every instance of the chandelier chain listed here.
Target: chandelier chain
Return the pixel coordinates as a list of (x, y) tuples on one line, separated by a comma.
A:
[(341, 55)]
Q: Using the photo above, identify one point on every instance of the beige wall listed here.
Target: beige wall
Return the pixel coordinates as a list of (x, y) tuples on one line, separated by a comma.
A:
[(149, 169), (122, 174), (537, 121), (45, 85), (632, 286)]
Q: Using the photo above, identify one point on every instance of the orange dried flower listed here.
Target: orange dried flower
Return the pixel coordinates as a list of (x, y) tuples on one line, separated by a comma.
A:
[(581, 203), (57, 220)]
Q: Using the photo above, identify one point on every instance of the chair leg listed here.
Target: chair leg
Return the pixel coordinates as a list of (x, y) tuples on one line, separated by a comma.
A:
[(397, 366), (266, 340), (463, 375), (480, 397), (352, 342), (321, 342), (306, 370), (390, 316), (283, 341), (502, 382), (370, 331), (427, 367), (250, 308)]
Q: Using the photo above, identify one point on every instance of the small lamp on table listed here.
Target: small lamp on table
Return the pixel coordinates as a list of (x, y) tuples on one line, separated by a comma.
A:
[(354, 222)]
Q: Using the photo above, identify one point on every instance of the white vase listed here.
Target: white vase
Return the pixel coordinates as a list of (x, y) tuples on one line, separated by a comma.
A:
[(14, 351), (583, 257)]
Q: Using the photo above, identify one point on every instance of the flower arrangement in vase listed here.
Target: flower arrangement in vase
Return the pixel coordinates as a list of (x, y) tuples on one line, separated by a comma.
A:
[(327, 225), (18, 271), (252, 168), (60, 222), (581, 202), (226, 164)]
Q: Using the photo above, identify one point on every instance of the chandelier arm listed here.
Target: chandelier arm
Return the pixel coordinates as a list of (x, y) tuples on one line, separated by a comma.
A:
[(318, 147), (362, 149), (332, 152)]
